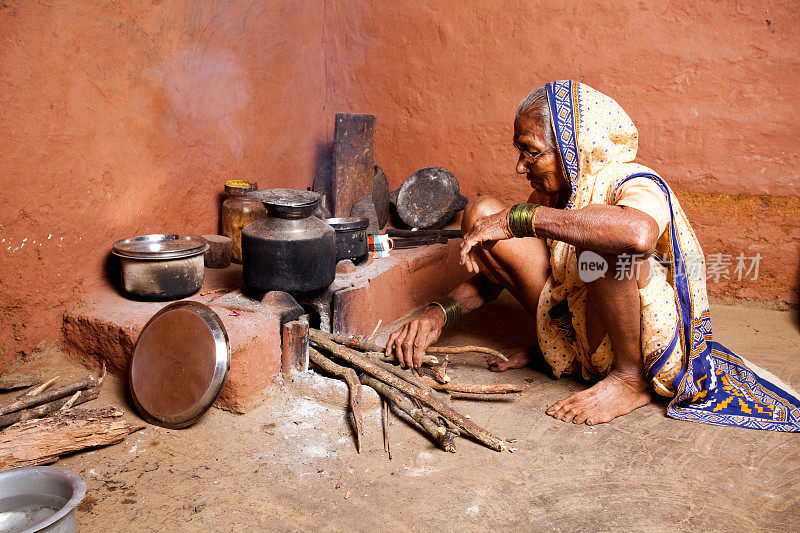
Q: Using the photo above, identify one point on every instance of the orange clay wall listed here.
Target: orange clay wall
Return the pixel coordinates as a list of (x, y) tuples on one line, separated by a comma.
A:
[(712, 86), (122, 118)]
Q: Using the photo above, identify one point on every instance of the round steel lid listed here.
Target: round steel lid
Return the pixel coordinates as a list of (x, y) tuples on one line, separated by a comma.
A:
[(160, 246), (288, 203), (180, 364)]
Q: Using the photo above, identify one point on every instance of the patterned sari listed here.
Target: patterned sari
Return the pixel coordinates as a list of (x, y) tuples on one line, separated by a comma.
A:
[(708, 383)]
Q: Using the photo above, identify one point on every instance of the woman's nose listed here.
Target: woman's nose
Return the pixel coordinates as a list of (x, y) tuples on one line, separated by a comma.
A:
[(522, 165)]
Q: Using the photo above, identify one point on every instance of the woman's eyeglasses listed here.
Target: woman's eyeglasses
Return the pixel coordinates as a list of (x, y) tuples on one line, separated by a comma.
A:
[(531, 158)]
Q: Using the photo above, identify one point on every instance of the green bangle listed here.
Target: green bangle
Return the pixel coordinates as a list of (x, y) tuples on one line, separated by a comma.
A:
[(521, 219), (451, 308)]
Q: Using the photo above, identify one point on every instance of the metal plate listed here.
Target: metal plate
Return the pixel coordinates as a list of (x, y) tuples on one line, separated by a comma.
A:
[(180, 364), (160, 246)]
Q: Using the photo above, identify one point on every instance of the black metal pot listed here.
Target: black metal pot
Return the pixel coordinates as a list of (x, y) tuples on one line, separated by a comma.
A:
[(290, 250), (351, 237)]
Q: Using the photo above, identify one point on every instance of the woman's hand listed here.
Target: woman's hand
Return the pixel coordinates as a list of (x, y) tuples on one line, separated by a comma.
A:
[(410, 342), (491, 228)]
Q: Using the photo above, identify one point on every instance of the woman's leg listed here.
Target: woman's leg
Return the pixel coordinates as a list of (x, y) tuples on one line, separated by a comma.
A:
[(613, 309), (521, 266)]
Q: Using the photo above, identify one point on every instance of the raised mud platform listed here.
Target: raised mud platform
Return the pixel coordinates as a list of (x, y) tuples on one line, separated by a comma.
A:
[(104, 325)]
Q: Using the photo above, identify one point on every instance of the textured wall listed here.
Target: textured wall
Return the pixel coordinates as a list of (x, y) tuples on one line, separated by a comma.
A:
[(124, 118), (121, 118), (712, 87)]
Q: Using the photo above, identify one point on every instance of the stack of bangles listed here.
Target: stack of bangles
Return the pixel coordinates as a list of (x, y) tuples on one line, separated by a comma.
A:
[(451, 308), (521, 220)]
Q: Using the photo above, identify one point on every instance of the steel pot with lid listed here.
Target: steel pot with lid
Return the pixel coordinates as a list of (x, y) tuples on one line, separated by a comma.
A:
[(289, 250), (162, 266)]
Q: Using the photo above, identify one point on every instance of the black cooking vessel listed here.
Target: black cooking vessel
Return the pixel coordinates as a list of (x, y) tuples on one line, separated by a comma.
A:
[(289, 250), (351, 237)]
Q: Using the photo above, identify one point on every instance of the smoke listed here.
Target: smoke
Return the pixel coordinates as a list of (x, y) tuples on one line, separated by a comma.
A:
[(207, 91)]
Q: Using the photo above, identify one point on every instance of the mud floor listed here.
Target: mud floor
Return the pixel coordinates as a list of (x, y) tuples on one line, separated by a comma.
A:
[(291, 464)]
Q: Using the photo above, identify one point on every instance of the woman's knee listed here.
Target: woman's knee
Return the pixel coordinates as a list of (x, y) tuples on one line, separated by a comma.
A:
[(479, 208)]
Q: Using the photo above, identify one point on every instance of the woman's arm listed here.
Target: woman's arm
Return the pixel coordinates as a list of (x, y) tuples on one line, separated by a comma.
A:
[(602, 228), (410, 342)]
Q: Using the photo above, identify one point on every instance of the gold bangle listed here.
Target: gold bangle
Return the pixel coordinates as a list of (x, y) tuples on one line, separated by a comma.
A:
[(520, 220), (450, 307)]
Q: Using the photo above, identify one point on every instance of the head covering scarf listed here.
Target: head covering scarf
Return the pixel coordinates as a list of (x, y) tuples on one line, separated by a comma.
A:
[(597, 142)]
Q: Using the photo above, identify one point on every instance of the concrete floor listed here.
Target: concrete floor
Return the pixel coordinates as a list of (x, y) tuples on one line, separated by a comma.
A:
[(291, 464)]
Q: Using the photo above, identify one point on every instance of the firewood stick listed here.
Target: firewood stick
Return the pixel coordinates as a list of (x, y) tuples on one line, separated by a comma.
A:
[(436, 432), (387, 447), (426, 359), (351, 378), (473, 388), (465, 349), (356, 343), (42, 441), (427, 397), (414, 378), (71, 401), (360, 344), (40, 388), (20, 380), (30, 401), (45, 409), (480, 397), (374, 333), (439, 374)]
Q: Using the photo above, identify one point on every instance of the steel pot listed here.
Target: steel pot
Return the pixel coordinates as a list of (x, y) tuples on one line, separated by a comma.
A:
[(40, 498), (290, 250), (162, 266), (351, 237)]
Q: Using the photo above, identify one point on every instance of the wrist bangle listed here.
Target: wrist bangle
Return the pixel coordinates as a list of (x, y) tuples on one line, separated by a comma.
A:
[(521, 220), (451, 308)]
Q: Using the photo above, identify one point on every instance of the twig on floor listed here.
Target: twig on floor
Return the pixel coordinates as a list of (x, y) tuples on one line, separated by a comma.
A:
[(371, 338), (466, 349), (473, 388), (40, 388), (386, 445), (354, 386)]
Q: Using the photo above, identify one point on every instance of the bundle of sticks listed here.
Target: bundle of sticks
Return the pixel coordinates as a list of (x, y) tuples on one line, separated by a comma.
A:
[(40, 425), (39, 401), (407, 390)]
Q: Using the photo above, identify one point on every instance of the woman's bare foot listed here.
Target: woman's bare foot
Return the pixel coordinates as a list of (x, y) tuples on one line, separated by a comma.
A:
[(614, 396)]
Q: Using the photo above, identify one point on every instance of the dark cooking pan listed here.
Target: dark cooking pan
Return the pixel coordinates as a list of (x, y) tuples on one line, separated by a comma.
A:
[(351, 237)]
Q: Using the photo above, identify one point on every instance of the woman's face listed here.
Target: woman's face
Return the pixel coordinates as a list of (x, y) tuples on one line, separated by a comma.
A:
[(540, 165)]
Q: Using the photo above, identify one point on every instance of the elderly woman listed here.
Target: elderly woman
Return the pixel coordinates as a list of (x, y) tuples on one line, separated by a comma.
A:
[(606, 263)]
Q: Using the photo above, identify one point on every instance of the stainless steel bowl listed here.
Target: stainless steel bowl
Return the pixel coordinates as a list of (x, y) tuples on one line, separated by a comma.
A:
[(39, 498)]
